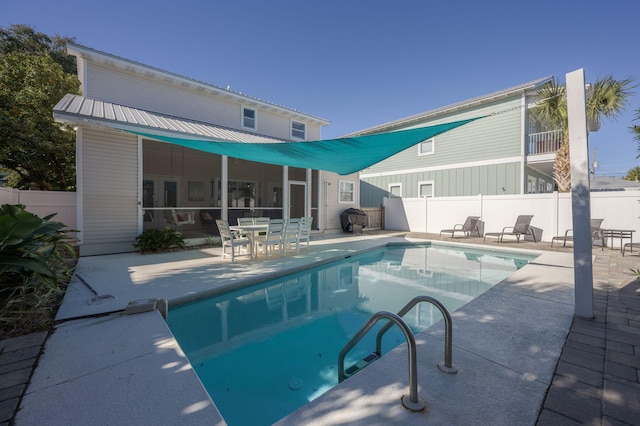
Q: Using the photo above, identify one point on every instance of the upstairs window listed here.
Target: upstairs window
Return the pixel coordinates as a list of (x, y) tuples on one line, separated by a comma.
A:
[(298, 130), (426, 147), (248, 118)]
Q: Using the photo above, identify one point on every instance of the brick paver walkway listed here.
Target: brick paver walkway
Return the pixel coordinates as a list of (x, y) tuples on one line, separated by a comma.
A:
[(597, 380), (18, 357)]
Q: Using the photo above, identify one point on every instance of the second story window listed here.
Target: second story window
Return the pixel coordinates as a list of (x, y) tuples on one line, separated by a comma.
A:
[(426, 147), (249, 118), (298, 130)]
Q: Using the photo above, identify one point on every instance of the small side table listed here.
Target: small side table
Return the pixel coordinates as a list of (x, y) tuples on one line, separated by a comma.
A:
[(621, 234)]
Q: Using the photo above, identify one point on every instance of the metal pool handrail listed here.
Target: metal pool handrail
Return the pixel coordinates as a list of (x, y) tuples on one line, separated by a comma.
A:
[(414, 403), (447, 366)]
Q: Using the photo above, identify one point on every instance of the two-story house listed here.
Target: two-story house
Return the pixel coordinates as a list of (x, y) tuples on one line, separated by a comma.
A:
[(128, 182), (506, 152)]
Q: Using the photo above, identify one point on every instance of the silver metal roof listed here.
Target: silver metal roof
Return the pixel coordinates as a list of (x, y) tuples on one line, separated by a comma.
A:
[(77, 109), (385, 127)]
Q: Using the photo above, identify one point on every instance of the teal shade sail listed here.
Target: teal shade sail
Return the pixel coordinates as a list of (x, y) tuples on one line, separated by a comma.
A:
[(343, 156)]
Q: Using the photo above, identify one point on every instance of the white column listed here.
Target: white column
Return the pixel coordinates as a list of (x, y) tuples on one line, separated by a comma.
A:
[(285, 192), (224, 188), (309, 191), (580, 196)]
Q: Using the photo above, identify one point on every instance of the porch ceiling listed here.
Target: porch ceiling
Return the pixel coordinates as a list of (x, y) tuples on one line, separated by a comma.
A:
[(542, 163), (343, 156)]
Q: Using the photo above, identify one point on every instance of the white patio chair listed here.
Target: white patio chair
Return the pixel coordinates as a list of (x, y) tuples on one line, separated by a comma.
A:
[(261, 221), (304, 232), (243, 221), (272, 240), (290, 238), (234, 241)]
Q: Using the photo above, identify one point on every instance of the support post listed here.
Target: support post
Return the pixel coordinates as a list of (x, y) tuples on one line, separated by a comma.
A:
[(580, 194), (224, 187)]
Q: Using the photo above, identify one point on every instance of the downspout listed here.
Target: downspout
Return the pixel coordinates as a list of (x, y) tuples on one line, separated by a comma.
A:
[(79, 186), (140, 185), (326, 205)]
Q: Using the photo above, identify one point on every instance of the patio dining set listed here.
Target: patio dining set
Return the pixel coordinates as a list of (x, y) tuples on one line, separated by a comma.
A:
[(254, 236)]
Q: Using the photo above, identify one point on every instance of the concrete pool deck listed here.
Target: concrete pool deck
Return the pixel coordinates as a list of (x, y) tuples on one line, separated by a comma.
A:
[(103, 367)]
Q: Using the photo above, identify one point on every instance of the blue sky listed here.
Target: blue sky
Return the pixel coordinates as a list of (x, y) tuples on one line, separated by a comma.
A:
[(361, 63)]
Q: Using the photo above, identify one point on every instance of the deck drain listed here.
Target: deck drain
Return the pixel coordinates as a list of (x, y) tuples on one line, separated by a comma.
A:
[(295, 383)]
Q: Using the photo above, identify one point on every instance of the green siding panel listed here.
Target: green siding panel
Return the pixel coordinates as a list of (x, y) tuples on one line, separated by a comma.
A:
[(490, 138), (488, 179)]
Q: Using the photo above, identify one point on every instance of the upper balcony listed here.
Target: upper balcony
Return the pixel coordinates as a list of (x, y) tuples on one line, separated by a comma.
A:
[(544, 142)]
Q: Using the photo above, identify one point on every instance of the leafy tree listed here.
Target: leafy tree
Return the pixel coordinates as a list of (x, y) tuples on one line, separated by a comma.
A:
[(607, 98), (34, 150), (633, 175)]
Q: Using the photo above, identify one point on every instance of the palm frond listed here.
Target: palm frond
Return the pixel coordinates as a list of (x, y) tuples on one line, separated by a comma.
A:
[(608, 98)]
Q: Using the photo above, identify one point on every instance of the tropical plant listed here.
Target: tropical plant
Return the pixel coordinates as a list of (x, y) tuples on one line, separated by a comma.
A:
[(159, 240), (633, 175), (607, 98), (36, 259)]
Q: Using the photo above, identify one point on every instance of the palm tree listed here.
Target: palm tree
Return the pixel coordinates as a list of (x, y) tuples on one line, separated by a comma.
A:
[(636, 129), (607, 98), (633, 175)]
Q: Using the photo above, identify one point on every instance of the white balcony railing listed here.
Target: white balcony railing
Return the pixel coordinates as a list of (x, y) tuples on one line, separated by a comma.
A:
[(544, 142)]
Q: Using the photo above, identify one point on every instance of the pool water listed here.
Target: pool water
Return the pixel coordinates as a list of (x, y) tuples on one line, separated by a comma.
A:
[(267, 350)]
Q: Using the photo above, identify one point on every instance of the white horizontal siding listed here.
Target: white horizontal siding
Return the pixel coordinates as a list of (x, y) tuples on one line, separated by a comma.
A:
[(127, 88), (109, 187)]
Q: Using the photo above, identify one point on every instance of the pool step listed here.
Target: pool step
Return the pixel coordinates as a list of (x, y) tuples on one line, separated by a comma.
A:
[(361, 364)]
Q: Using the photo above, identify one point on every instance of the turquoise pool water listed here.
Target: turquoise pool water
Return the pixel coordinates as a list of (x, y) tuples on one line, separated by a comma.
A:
[(267, 350)]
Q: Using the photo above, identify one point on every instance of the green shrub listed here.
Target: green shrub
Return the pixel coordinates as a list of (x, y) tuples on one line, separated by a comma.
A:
[(36, 262), (159, 240)]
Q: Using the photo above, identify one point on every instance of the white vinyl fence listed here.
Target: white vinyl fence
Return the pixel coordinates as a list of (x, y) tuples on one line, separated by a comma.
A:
[(551, 212), (43, 203)]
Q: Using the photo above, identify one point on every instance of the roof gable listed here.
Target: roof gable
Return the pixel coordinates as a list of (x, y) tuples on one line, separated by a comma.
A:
[(406, 121), (99, 57)]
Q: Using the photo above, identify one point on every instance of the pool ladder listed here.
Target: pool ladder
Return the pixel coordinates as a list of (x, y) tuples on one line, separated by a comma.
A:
[(413, 402)]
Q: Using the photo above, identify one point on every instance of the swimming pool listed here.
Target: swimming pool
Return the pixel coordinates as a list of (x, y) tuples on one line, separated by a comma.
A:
[(265, 351)]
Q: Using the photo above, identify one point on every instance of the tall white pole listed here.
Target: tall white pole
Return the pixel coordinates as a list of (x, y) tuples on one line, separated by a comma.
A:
[(580, 194)]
